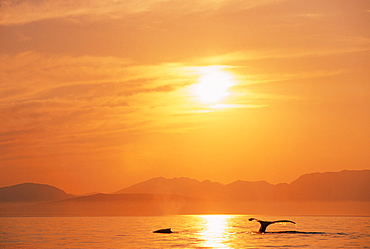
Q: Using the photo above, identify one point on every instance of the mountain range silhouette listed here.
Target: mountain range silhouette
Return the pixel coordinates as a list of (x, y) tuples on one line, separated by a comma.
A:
[(339, 193), (331, 186)]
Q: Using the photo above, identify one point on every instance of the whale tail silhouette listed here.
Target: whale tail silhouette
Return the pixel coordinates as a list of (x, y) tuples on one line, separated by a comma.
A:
[(265, 224)]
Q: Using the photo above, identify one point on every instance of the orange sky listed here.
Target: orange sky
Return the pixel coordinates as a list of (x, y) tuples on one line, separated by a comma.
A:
[(99, 95)]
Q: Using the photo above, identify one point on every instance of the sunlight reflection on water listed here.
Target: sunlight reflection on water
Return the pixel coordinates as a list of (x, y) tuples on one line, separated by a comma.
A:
[(190, 231), (214, 232)]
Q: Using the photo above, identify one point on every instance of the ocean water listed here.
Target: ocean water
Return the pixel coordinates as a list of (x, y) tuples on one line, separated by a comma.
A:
[(190, 231)]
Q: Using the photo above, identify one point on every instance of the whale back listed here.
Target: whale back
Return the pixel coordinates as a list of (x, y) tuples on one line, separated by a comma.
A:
[(166, 230)]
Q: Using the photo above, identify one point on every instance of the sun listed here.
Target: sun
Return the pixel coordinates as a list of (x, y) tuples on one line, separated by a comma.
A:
[(213, 84)]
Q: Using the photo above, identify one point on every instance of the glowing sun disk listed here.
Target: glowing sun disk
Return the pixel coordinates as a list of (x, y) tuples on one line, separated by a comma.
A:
[(213, 85)]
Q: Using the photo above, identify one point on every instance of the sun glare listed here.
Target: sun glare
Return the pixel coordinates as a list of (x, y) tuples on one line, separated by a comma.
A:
[(213, 85)]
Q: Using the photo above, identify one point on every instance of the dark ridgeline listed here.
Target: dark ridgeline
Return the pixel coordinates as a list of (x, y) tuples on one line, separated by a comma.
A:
[(105, 205), (32, 192), (344, 192), (331, 186), (346, 185)]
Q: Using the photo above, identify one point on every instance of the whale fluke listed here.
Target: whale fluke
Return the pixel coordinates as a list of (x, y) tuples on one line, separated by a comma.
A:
[(265, 224), (166, 230)]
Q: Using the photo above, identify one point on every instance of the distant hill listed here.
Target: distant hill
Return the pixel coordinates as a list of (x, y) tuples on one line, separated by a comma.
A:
[(331, 193), (32, 192), (179, 186), (332, 186), (106, 205)]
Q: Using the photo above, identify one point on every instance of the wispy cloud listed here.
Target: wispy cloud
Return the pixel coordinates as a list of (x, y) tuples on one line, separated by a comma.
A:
[(20, 12), (339, 45), (49, 101)]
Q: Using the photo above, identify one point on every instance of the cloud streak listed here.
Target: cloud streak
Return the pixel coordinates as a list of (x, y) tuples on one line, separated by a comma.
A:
[(47, 9), (24, 11)]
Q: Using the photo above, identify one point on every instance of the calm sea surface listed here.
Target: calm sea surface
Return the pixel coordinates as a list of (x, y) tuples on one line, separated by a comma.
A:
[(190, 231)]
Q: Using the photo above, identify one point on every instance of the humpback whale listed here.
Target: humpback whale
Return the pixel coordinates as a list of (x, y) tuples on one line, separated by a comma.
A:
[(166, 230), (265, 224)]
